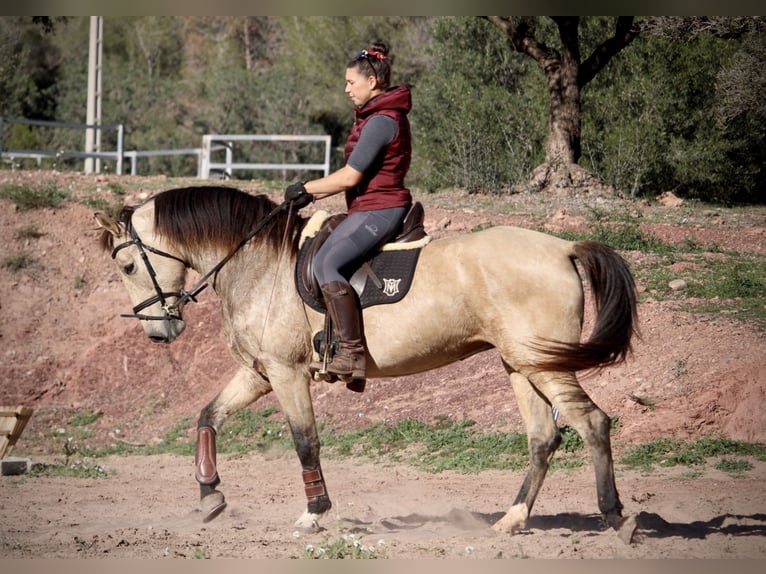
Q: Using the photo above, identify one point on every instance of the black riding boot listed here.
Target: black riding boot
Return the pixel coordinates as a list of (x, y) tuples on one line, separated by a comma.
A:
[(349, 363)]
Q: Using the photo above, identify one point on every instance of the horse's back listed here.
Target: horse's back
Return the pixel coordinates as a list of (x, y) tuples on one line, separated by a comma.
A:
[(493, 288), (522, 253)]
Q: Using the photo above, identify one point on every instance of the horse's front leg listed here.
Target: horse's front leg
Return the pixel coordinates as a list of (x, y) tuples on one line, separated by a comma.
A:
[(243, 389), (293, 393)]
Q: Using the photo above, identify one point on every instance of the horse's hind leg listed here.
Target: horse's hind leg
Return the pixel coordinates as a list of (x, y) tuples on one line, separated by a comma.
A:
[(593, 425), (242, 390), (543, 438)]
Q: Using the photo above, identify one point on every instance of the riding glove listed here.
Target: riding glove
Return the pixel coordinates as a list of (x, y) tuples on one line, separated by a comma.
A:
[(298, 195)]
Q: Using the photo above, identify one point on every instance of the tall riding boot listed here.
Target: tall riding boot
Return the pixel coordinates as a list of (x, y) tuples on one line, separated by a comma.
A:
[(349, 363)]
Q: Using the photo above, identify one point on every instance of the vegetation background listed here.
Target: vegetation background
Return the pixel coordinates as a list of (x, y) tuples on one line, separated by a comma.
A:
[(680, 108)]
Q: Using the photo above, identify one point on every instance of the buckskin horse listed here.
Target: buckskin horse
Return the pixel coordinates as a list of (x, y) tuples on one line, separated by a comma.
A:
[(513, 289)]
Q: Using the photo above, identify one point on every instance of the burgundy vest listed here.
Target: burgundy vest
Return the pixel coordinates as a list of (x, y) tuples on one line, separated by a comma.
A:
[(382, 186)]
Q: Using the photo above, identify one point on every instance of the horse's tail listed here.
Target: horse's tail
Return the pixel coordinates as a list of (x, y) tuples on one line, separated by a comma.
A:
[(614, 293)]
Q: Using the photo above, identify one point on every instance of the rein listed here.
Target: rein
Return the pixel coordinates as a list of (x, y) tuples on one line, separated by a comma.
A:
[(173, 310)]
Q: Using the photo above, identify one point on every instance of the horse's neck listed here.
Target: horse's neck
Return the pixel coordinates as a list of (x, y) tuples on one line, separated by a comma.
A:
[(260, 305), (251, 276)]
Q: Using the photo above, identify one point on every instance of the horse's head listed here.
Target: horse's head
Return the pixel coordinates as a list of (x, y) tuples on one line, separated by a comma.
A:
[(153, 276)]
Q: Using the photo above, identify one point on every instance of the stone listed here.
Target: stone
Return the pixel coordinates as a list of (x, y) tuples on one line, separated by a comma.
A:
[(677, 284), (13, 465)]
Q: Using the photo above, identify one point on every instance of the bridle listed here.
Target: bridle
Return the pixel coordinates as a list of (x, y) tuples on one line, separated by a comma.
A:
[(171, 311)]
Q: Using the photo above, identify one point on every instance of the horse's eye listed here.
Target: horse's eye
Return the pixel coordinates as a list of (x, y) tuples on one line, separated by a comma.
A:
[(129, 269)]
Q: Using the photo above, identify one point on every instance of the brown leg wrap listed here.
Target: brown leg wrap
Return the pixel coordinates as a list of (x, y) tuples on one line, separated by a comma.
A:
[(205, 458), (314, 483)]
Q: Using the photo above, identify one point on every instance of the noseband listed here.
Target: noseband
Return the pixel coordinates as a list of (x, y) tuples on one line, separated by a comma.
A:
[(173, 311)]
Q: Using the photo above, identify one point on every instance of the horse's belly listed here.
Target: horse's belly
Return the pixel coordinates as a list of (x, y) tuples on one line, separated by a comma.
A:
[(406, 353)]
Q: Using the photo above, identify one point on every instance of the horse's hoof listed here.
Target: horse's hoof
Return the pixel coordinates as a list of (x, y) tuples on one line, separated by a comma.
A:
[(625, 527), (514, 519), (212, 505), (308, 523)]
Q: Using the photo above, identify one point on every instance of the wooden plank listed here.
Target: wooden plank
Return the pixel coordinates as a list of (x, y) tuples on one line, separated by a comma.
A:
[(12, 423)]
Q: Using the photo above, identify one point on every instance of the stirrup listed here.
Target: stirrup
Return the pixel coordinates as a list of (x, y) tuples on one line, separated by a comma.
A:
[(320, 373)]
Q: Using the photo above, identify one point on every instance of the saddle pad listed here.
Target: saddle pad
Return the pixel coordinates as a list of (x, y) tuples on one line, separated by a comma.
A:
[(393, 270)]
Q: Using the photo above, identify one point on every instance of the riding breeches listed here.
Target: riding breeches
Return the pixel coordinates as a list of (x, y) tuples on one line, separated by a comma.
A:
[(354, 240)]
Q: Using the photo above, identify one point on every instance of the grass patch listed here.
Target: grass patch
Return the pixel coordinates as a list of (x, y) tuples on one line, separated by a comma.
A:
[(18, 261), (26, 198), (668, 452), (100, 204), (81, 468), (116, 189), (245, 431), (29, 232), (620, 236), (254, 431), (84, 418), (435, 446), (734, 283), (345, 547), (735, 467)]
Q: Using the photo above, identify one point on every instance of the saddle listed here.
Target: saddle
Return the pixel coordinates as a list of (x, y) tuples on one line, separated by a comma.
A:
[(385, 278)]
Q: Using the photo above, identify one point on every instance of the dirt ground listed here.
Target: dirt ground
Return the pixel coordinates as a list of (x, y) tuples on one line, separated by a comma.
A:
[(65, 350)]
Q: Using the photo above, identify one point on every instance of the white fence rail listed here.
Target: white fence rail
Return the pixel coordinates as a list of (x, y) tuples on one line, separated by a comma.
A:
[(227, 166), (117, 155), (212, 144)]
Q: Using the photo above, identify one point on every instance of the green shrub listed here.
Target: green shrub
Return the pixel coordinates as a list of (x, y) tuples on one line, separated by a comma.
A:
[(27, 198)]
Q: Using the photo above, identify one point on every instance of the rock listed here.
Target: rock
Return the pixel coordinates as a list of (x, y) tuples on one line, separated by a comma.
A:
[(13, 465), (678, 284), (669, 199)]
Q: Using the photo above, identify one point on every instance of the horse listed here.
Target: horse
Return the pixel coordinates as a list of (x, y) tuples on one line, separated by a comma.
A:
[(512, 289)]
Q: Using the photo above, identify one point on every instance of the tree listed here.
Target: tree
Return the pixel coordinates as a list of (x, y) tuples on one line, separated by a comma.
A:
[(685, 28), (566, 73), (478, 111), (724, 159)]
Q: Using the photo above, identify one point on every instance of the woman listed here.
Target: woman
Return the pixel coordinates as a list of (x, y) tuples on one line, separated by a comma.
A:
[(377, 154)]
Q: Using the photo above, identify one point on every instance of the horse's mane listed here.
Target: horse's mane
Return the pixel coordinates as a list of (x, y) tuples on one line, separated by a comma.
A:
[(215, 216)]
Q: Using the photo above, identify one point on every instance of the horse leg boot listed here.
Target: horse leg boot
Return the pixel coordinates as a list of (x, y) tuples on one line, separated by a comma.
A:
[(212, 500), (349, 363)]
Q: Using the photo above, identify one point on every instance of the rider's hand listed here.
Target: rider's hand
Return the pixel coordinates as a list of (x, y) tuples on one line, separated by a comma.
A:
[(298, 195)]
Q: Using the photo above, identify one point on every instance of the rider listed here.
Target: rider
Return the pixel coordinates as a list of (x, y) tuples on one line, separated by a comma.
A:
[(377, 154)]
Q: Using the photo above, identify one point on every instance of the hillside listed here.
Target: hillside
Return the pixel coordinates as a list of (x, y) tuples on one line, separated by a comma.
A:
[(66, 349)]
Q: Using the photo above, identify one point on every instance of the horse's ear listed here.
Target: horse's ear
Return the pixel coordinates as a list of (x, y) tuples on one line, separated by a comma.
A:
[(108, 223)]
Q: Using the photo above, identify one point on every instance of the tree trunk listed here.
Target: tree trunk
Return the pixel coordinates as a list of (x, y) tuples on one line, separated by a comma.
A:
[(565, 75), (247, 40), (564, 131)]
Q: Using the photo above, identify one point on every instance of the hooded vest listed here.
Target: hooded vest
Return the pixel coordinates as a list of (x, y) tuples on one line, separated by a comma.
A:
[(382, 186)]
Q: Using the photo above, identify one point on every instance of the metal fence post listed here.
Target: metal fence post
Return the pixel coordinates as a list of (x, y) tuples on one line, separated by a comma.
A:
[(204, 161), (120, 148)]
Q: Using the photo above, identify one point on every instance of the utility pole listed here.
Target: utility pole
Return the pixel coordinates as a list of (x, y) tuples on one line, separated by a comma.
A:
[(93, 134)]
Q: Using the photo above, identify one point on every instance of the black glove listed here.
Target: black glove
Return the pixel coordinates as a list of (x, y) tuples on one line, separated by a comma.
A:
[(298, 195)]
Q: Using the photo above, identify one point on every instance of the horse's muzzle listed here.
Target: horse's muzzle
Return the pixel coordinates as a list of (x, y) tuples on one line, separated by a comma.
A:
[(165, 331)]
